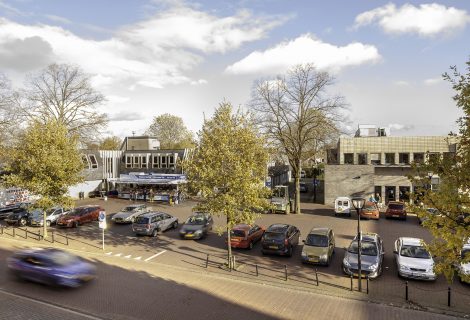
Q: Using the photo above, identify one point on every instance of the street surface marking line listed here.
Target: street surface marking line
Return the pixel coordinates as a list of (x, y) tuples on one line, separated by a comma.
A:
[(109, 253), (155, 255), (118, 254), (138, 258), (50, 305), (128, 256)]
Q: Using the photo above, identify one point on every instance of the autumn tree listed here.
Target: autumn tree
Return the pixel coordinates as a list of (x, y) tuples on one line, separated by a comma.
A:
[(297, 115), (110, 143), (228, 167), (46, 162), (63, 93), (9, 114), (451, 227), (171, 132)]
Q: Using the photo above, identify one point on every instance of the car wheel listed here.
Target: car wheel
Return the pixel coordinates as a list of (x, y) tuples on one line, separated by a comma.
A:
[(48, 223), (289, 253), (22, 222), (75, 224), (250, 246), (175, 224), (154, 233)]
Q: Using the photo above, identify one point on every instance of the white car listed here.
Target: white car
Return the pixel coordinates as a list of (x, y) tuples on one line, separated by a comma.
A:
[(464, 269), (129, 213), (53, 214), (413, 259)]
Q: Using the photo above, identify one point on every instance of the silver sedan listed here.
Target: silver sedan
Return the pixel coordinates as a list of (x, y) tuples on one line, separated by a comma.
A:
[(129, 213)]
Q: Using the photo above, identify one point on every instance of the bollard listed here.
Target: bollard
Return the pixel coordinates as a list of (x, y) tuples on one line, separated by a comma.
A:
[(406, 290), (285, 272), (14, 232), (67, 239), (207, 261), (1, 229), (26, 233), (316, 276), (52, 236), (448, 296), (234, 267), (256, 266), (367, 284), (351, 282)]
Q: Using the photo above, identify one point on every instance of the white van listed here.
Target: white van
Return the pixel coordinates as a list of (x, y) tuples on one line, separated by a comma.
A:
[(343, 205)]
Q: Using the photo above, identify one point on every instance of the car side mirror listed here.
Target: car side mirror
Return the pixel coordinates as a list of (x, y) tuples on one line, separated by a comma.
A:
[(395, 251)]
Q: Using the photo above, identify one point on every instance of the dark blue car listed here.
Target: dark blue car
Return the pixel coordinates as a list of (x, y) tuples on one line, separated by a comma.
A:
[(52, 267)]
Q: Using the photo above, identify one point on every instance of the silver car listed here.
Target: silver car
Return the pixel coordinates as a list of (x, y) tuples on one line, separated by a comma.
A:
[(151, 223), (53, 214), (413, 259), (129, 213), (372, 254), (464, 268)]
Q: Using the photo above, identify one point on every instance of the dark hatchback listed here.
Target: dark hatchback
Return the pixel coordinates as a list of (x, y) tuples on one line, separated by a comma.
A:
[(197, 226), (20, 216), (280, 239)]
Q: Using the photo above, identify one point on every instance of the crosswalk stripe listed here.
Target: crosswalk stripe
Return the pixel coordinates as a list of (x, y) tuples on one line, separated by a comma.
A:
[(118, 254), (138, 258), (108, 253), (128, 256)]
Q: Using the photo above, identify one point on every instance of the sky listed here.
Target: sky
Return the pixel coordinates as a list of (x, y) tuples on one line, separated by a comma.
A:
[(150, 57)]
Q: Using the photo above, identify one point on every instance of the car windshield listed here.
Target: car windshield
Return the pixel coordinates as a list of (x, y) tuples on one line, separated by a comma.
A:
[(394, 206), (316, 240), (367, 248), (279, 192), (36, 214), (237, 233), (142, 220), (50, 211), (195, 220), (370, 207), (415, 252), (273, 236), (128, 209), (63, 258)]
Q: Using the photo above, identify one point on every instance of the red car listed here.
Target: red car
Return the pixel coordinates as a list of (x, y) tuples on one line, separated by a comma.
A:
[(396, 209), (244, 235), (79, 215)]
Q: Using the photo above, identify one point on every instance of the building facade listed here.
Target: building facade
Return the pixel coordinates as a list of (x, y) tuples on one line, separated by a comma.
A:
[(372, 162)]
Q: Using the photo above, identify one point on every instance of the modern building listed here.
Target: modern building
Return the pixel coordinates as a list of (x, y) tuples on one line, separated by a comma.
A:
[(373, 162)]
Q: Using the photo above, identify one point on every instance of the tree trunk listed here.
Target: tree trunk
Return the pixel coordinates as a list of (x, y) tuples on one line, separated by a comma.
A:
[(44, 216), (297, 193), (314, 186), (229, 247)]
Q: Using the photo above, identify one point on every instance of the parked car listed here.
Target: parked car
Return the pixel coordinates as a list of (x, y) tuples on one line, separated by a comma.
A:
[(94, 194), (51, 266), (129, 213), (280, 239), (370, 211), (343, 206), (303, 187), (413, 259), (395, 209), (372, 254), (464, 268), (7, 209), (151, 223), (79, 216), (432, 211), (319, 246), (36, 217), (197, 226), (245, 236), (20, 216)]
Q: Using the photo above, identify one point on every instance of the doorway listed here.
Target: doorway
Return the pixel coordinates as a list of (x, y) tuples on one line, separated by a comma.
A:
[(389, 193), (404, 194)]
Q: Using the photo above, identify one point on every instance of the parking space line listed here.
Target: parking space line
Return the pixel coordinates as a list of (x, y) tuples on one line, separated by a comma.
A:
[(118, 254), (138, 258), (108, 253), (128, 256), (155, 255)]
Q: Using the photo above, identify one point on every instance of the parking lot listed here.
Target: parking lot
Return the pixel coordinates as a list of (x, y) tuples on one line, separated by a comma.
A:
[(169, 249)]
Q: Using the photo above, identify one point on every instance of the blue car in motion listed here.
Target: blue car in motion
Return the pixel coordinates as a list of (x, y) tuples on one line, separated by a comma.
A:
[(51, 266)]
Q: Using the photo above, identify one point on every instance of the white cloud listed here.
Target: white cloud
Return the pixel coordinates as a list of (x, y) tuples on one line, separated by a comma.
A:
[(425, 20), (198, 82), (401, 83), (58, 19), (306, 49), (153, 53), (433, 81), (400, 127), (117, 99), (125, 116)]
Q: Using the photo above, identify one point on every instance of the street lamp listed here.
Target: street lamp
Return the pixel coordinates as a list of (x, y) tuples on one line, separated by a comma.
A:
[(430, 175), (358, 204)]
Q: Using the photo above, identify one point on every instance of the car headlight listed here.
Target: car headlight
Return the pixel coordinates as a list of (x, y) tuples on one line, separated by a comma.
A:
[(404, 268), (182, 231), (430, 270), (324, 257), (304, 254), (373, 266), (346, 263), (198, 232)]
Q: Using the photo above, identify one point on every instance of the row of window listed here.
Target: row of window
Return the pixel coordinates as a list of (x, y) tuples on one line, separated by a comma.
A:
[(89, 160), (154, 161), (389, 158)]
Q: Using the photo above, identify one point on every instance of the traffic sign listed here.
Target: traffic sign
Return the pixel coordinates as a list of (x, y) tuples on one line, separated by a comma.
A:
[(102, 219)]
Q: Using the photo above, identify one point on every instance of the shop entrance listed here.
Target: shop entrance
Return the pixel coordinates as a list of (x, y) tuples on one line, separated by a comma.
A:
[(404, 194), (389, 193)]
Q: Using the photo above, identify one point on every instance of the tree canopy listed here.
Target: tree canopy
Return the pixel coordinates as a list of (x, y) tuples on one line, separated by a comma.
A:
[(297, 115), (451, 227), (171, 132), (228, 167), (110, 143)]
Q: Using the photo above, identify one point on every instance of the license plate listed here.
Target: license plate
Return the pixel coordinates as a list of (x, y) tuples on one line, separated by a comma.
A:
[(272, 247), (138, 229), (313, 259), (189, 235), (395, 216), (236, 240)]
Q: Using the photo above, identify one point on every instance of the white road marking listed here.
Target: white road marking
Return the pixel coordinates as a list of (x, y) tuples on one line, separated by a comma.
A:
[(118, 254), (155, 255), (128, 256), (108, 253), (138, 258)]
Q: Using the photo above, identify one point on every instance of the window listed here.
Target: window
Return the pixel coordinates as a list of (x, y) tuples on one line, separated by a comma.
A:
[(433, 156), (135, 163), (375, 158), (156, 162), (389, 158), (418, 157), (172, 159), (163, 161), (348, 158), (144, 162), (362, 158), (449, 156), (94, 163), (85, 161), (128, 162), (404, 158)]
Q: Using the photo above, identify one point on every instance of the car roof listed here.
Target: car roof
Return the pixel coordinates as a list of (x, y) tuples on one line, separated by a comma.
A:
[(343, 198), (151, 214), (408, 241), (135, 205), (242, 226), (396, 202), (369, 236), (319, 231), (278, 227)]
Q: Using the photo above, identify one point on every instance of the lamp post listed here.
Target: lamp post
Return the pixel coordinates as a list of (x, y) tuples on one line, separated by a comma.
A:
[(430, 175), (358, 204)]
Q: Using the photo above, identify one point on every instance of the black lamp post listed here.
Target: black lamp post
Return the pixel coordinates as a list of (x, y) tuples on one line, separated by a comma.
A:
[(358, 204)]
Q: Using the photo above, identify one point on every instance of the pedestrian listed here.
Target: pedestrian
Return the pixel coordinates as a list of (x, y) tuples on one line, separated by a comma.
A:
[(145, 195), (151, 195)]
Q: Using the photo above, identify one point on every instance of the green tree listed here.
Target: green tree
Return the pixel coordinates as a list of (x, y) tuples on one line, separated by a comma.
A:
[(451, 197), (110, 143), (228, 167), (45, 162), (171, 132), (297, 115)]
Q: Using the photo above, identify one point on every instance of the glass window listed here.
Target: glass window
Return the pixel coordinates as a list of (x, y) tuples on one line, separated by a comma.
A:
[(85, 161), (156, 162), (348, 158), (375, 158), (172, 159), (418, 157), (362, 158), (237, 233), (128, 162), (415, 252), (316, 240), (94, 163), (135, 163), (389, 158), (144, 162), (367, 248), (433, 156), (404, 158)]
